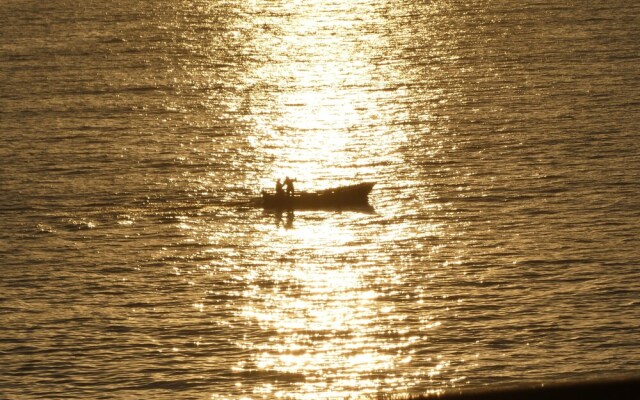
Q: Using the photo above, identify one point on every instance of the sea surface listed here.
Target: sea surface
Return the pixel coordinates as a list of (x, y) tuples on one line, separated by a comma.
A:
[(503, 247)]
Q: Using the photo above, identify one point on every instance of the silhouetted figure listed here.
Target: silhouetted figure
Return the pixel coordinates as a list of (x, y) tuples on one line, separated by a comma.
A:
[(288, 186), (279, 190)]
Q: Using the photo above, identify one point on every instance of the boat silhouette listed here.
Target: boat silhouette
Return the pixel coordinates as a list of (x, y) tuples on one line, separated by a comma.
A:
[(338, 198)]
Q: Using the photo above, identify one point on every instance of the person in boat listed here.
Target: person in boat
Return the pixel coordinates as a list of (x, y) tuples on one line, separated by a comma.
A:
[(279, 189), (288, 186)]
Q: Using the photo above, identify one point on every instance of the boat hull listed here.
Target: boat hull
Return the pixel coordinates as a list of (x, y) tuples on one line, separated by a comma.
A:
[(339, 198)]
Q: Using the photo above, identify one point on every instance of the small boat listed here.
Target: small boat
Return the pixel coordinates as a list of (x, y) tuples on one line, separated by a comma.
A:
[(338, 198)]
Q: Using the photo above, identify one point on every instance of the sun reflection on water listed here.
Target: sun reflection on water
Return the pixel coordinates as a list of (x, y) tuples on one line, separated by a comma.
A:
[(323, 318), (321, 113), (331, 330), (325, 314)]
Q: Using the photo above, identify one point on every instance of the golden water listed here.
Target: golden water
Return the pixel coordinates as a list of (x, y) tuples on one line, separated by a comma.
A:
[(503, 245)]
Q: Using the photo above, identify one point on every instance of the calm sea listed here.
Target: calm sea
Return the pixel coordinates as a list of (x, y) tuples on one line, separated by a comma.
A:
[(504, 242)]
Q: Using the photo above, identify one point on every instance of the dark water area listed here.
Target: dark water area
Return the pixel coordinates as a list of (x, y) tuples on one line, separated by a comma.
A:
[(503, 244)]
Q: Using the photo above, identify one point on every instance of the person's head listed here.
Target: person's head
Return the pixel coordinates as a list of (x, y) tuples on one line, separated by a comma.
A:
[(278, 181)]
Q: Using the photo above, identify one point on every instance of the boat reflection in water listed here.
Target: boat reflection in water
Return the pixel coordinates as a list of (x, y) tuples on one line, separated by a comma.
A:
[(288, 223), (351, 197)]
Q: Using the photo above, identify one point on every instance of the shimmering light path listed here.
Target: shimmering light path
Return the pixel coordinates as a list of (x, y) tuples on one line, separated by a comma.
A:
[(503, 244)]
